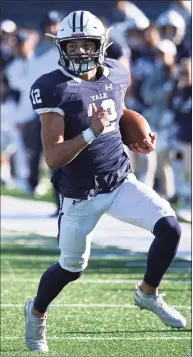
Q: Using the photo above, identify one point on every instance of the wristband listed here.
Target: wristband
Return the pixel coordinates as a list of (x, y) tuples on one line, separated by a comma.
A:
[(94, 132), (89, 135)]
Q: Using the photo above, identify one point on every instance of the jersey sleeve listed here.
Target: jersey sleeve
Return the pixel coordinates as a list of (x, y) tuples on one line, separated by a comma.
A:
[(44, 98)]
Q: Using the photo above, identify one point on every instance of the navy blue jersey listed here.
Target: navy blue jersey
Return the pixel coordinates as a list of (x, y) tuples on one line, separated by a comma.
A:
[(103, 164)]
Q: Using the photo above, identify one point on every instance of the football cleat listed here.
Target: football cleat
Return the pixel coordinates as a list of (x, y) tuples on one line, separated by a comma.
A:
[(158, 306), (35, 330)]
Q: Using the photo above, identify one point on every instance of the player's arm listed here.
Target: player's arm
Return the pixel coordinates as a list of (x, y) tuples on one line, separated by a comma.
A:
[(150, 143), (45, 101), (59, 152)]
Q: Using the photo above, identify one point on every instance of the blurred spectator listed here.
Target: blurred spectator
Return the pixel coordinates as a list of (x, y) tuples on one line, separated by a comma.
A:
[(131, 34), (182, 106), (49, 24), (188, 37), (182, 7), (134, 36), (131, 18), (125, 10), (184, 48), (18, 69), (8, 41), (130, 31), (143, 66), (46, 55), (148, 51), (171, 26), (156, 92), (116, 50), (13, 165), (119, 12)]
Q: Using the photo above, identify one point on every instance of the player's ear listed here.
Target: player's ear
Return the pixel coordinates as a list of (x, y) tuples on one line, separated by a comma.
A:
[(94, 108)]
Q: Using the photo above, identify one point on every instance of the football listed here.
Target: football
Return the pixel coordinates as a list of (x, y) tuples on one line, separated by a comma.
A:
[(134, 128)]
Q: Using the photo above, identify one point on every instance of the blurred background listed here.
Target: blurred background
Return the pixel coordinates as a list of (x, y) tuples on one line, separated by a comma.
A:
[(152, 39)]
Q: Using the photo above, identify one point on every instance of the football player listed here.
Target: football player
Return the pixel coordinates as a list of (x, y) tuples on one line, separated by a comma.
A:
[(80, 104)]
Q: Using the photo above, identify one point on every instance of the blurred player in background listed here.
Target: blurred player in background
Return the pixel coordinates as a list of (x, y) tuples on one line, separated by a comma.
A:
[(46, 56), (81, 103), (182, 107), (18, 73), (8, 30), (156, 92)]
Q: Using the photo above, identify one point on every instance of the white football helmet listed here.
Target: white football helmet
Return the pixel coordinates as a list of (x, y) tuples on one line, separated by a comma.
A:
[(79, 25)]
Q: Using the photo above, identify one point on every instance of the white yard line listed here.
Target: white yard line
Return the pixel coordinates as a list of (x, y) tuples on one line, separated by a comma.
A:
[(95, 305), (96, 281), (106, 338)]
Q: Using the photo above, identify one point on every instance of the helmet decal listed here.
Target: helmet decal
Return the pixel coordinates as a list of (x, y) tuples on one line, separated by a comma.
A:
[(81, 21)]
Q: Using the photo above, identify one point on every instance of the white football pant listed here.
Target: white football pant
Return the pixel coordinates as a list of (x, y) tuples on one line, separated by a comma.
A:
[(132, 202)]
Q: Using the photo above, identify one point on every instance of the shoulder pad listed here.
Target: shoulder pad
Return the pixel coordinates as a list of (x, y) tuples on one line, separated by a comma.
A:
[(113, 63), (110, 62), (118, 72)]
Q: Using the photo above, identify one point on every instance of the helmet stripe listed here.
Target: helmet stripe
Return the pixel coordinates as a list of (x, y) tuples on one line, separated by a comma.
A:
[(81, 21), (74, 22)]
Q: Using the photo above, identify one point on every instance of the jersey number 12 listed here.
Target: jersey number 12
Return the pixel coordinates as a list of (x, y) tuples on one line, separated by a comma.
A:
[(35, 94)]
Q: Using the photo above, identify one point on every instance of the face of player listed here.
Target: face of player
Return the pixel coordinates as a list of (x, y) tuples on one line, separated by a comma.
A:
[(82, 54), (80, 48)]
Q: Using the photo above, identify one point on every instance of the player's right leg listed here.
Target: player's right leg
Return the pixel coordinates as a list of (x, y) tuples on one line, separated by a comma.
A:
[(76, 221), (141, 206)]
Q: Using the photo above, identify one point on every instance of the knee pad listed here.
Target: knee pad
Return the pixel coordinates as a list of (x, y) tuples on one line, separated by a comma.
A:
[(168, 229), (73, 263)]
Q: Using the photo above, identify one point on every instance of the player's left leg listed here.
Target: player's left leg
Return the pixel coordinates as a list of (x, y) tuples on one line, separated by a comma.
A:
[(76, 222), (139, 205)]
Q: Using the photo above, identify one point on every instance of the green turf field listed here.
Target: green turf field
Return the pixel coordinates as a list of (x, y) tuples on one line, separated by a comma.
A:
[(94, 316)]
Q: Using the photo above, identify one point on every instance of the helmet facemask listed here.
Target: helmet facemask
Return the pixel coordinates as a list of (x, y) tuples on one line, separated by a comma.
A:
[(81, 63)]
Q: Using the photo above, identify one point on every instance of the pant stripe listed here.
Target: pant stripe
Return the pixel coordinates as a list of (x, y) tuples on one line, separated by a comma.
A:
[(59, 222)]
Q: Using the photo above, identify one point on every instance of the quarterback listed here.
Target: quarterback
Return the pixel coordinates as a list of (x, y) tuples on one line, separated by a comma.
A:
[(81, 103)]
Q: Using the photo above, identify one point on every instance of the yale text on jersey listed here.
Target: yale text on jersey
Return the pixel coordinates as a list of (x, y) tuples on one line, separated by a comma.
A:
[(99, 96)]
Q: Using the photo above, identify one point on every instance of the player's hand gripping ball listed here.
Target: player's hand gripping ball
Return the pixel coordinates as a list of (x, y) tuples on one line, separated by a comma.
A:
[(136, 132)]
